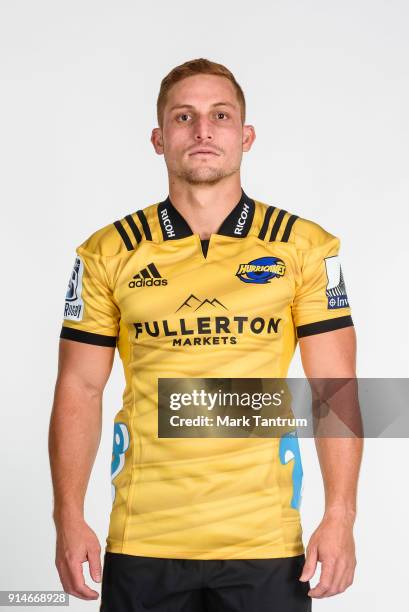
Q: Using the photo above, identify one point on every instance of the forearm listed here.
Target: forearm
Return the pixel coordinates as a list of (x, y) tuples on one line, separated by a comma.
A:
[(74, 436), (340, 460)]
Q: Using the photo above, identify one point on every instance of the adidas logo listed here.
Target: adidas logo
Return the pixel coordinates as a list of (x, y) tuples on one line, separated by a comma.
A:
[(148, 277)]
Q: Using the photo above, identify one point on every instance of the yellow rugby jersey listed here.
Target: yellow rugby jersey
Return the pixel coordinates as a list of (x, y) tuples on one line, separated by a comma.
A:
[(177, 306)]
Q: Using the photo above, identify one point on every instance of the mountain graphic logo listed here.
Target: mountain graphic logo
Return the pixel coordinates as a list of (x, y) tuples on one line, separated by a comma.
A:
[(194, 303), (148, 277)]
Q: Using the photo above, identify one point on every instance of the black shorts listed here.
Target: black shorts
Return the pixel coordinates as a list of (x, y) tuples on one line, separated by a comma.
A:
[(136, 584)]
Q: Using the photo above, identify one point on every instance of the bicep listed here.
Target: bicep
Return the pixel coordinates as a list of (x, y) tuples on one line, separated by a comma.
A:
[(84, 365), (329, 354)]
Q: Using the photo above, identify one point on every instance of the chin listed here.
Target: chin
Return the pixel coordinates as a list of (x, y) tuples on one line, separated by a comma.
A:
[(197, 176), (205, 175)]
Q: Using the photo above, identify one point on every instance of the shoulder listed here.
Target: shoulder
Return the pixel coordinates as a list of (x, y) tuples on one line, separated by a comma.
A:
[(282, 225), (121, 235), (309, 234)]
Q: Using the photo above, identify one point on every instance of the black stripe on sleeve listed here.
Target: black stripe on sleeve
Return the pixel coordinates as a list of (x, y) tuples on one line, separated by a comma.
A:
[(69, 333), (134, 228), (145, 224), (324, 326), (123, 235), (266, 221), (288, 228), (277, 223)]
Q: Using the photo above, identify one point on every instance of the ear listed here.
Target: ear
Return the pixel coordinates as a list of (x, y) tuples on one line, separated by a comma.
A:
[(157, 140), (249, 136)]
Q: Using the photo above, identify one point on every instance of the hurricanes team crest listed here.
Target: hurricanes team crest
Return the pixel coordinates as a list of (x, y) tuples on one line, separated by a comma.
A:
[(261, 270)]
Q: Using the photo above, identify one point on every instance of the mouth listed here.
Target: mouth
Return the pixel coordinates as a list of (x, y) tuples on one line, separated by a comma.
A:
[(204, 152)]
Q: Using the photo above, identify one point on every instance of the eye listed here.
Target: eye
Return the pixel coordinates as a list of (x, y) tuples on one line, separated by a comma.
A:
[(221, 114), (183, 117)]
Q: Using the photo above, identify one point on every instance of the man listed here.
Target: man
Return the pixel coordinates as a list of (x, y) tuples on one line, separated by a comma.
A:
[(208, 283)]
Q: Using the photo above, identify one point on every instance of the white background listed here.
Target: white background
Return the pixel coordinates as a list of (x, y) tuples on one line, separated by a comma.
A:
[(327, 89)]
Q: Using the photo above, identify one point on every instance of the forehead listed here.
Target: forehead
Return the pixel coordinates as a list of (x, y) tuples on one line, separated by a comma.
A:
[(202, 89)]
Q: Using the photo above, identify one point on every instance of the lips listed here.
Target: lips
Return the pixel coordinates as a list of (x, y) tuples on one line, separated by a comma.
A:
[(203, 152)]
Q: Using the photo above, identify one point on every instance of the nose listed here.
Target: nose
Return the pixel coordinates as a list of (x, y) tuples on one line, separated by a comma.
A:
[(203, 129)]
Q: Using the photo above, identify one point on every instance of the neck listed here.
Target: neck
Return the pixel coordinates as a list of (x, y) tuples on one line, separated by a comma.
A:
[(204, 207)]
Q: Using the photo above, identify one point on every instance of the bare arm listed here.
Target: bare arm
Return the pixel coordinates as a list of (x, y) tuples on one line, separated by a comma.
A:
[(74, 436), (333, 355)]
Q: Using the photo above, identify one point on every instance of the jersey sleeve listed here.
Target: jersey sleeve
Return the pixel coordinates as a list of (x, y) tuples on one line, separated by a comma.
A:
[(321, 302), (90, 312)]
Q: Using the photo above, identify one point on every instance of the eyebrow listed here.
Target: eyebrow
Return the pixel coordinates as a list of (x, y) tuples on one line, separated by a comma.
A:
[(192, 107)]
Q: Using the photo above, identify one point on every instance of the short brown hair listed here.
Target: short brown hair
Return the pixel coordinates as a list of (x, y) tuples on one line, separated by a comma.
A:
[(190, 68)]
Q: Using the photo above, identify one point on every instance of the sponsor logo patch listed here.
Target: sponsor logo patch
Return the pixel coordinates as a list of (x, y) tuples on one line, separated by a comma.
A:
[(198, 326), (241, 221), (336, 290), (74, 306), (167, 223)]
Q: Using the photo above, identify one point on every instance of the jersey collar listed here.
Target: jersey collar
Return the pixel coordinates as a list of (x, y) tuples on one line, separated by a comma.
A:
[(237, 223)]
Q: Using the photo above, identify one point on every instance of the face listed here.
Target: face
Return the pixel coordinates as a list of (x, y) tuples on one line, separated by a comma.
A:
[(202, 136)]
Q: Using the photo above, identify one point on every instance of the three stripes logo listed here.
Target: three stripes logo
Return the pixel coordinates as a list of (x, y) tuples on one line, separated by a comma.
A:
[(148, 277)]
